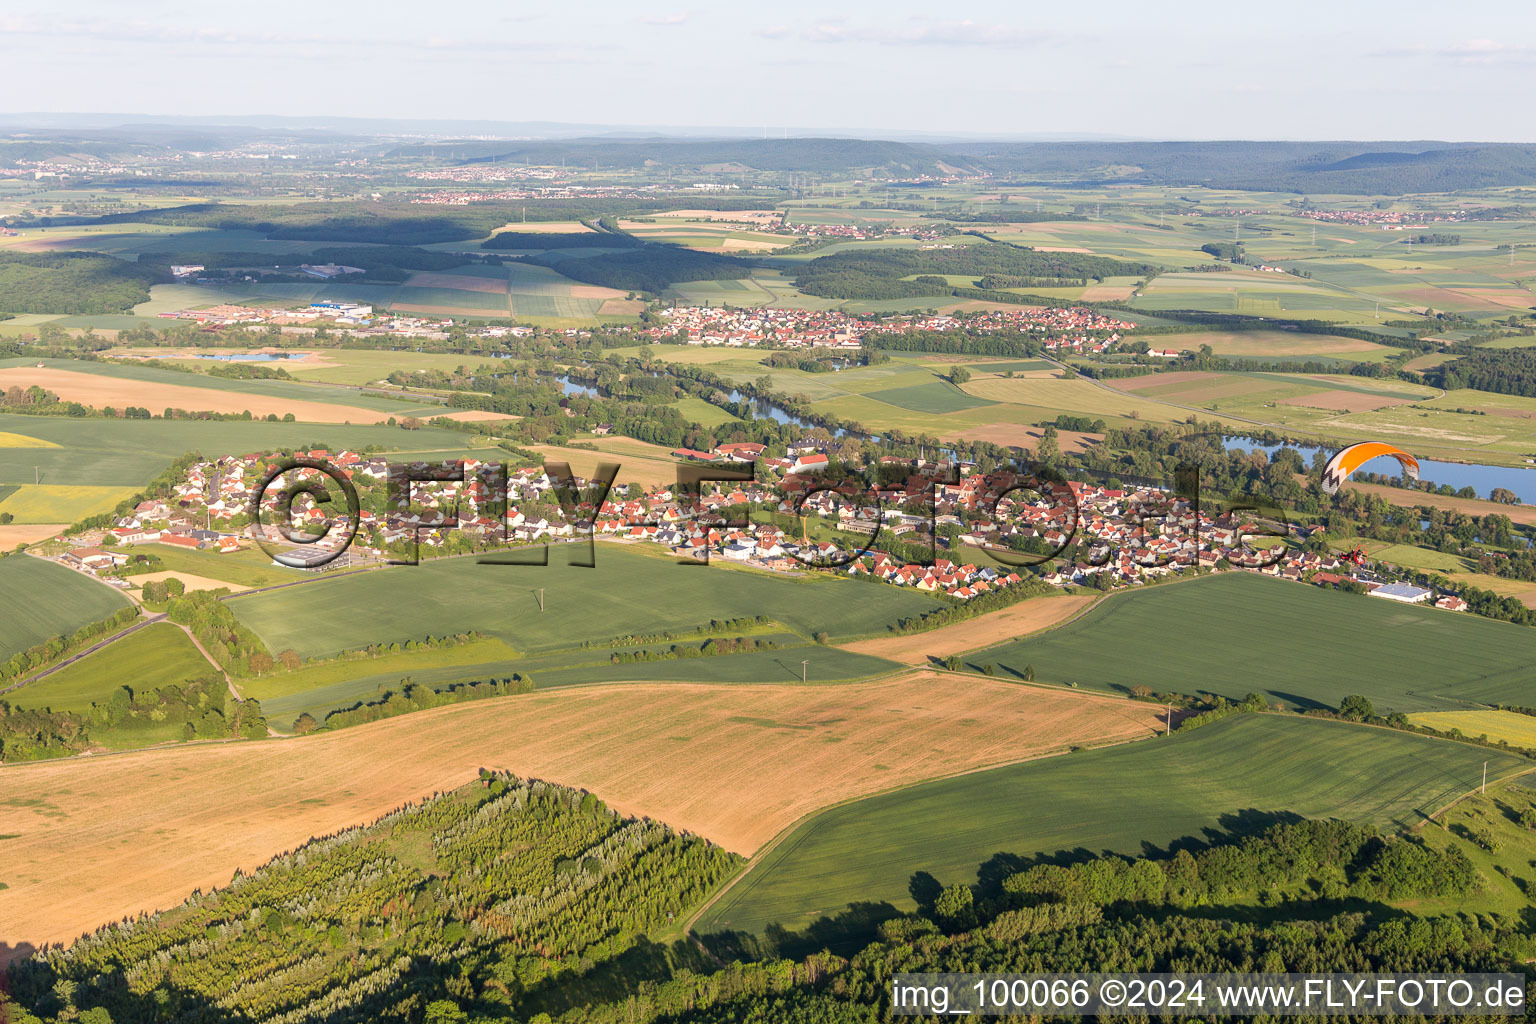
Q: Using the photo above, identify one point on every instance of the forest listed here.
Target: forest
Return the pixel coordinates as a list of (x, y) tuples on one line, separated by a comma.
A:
[(559, 240), (73, 282), (878, 274), (497, 897), (197, 709), (1509, 371), (646, 268), (513, 900)]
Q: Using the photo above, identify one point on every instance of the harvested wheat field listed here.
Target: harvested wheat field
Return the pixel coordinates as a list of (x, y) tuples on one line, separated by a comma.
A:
[(1346, 401), (736, 764), (739, 216), (973, 634), (1107, 292), (546, 227), (1019, 435), (595, 291), (639, 462), (191, 582), (1158, 380), (1471, 506), (621, 307), (474, 416), (99, 390), (12, 534)]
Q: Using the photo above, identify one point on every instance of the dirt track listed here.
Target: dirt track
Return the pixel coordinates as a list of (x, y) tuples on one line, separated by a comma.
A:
[(973, 634)]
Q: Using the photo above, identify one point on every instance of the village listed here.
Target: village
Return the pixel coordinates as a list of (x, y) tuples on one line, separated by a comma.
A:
[(1066, 328), (984, 532)]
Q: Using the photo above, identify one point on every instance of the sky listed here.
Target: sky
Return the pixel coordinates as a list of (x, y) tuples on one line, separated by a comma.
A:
[(1344, 69)]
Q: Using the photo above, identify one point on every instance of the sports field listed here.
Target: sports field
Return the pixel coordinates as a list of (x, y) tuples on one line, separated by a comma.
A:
[(155, 656), (733, 764), (40, 600), (1300, 646), (1236, 775), (628, 592)]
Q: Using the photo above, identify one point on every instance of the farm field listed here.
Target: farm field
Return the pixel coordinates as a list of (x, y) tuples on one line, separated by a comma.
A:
[(1281, 345), (130, 375), (13, 534), (1471, 506), (326, 366), (733, 764), (1511, 726), (1076, 395), (823, 665), (1027, 616), (243, 569), (102, 391), (157, 655), (639, 462), (1232, 777), (1298, 645), (1505, 870), (477, 653), (40, 600), (129, 453), (343, 684), (629, 592), (34, 504)]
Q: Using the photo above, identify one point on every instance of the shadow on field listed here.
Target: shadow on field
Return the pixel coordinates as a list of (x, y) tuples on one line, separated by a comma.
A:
[(851, 930), (844, 934), (645, 963)]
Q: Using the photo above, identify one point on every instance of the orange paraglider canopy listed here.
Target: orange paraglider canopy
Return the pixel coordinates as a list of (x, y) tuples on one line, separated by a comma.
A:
[(1356, 455)]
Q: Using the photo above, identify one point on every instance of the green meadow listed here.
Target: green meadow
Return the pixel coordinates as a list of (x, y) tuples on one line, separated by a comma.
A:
[(1301, 646), (627, 593), (40, 600), (1232, 777), (157, 655)]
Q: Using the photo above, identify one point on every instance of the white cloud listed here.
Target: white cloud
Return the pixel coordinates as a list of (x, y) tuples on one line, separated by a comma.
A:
[(665, 19), (1472, 51), (916, 32)]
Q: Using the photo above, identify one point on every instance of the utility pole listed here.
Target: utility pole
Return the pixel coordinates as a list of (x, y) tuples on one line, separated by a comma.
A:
[(802, 680), (1314, 234), (37, 475), (1485, 778), (1168, 728), (541, 599)]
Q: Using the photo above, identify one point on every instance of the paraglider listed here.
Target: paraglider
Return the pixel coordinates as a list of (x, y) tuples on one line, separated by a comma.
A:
[(1356, 455)]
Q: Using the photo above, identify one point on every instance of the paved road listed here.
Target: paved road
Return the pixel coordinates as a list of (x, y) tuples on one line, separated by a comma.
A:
[(98, 645)]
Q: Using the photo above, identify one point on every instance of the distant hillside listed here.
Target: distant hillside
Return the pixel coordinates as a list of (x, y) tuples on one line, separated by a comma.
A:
[(1346, 167), (812, 156), (1359, 168)]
